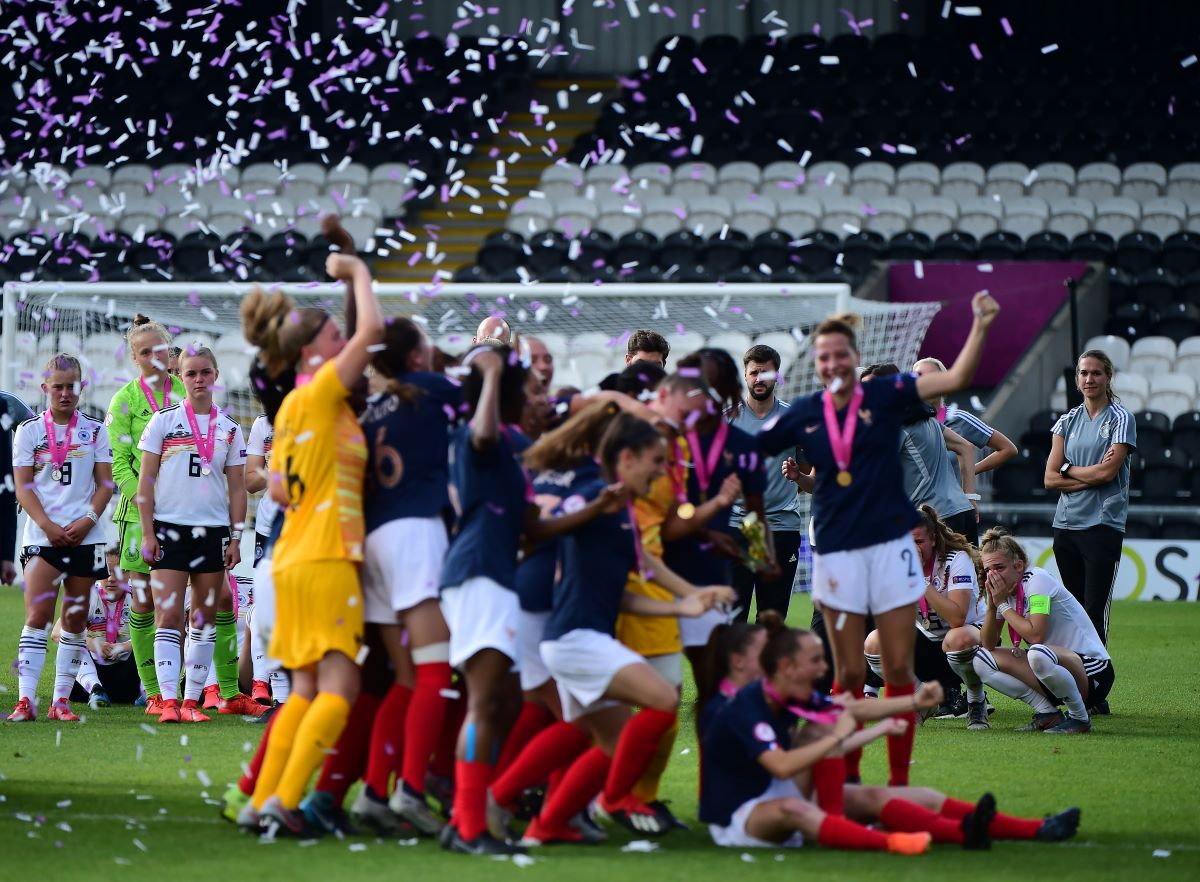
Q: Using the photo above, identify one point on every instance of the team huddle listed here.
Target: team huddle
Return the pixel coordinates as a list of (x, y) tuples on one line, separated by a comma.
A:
[(473, 593)]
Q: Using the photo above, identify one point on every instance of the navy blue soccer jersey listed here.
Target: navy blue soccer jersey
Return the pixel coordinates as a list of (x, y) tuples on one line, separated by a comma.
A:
[(408, 442), (740, 732), (687, 556), (875, 507), (535, 575), (596, 562), (490, 491)]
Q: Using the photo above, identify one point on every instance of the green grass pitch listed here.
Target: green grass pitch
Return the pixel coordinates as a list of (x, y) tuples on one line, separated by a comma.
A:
[(111, 800)]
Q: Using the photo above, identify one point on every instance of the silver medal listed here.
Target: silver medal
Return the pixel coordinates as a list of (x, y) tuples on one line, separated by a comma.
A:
[(205, 470), (56, 474)]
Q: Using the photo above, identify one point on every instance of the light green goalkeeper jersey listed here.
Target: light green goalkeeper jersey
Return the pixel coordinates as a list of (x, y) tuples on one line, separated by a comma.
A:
[(128, 415)]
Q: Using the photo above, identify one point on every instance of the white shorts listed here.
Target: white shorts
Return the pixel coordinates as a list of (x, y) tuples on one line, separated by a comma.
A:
[(263, 620), (583, 663), (481, 614), (669, 667), (402, 562), (874, 579), (530, 628), (696, 631), (735, 835)]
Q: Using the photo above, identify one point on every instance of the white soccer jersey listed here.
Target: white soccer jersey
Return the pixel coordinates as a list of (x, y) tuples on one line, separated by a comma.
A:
[(956, 575), (1068, 625), (102, 615), (261, 436), (183, 494), (69, 498)]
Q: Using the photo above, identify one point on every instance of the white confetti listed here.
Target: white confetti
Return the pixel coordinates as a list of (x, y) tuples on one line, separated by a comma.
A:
[(523, 860), (841, 622), (1161, 853), (640, 845), (747, 858), (919, 269), (358, 846)]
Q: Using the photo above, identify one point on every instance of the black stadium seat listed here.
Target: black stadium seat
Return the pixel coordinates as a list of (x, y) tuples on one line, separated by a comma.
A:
[(1178, 321), (909, 245), (954, 245), (1047, 246), (1021, 479), (1185, 433), (1141, 527), (1153, 428), (1092, 245), (1181, 252), (1185, 529), (1137, 251), (1001, 245)]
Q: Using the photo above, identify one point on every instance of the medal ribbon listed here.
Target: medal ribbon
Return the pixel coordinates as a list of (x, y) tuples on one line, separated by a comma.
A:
[(58, 455), (204, 444), (1019, 605), (826, 715), (841, 439), (150, 394), (112, 617), (727, 688), (637, 540), (706, 464)]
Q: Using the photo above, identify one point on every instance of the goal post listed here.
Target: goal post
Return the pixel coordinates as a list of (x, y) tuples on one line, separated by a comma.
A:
[(585, 326)]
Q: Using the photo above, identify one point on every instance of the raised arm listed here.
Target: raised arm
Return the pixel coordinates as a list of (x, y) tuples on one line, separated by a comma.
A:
[(356, 354), (958, 375)]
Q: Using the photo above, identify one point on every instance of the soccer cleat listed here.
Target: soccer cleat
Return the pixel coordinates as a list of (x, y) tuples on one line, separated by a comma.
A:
[(441, 791), (536, 834), (1100, 709), (1070, 726), (248, 819), (190, 713), (589, 832), (908, 843), (323, 814), (61, 711), (415, 810), (232, 803), (632, 814), (240, 704), (977, 718), (666, 816), (170, 711), (954, 706), (1058, 827), (24, 712), (371, 812), (483, 844), (275, 820), (154, 706), (98, 699), (975, 825), (261, 693), (499, 819), (211, 697), (1042, 722), (140, 701)]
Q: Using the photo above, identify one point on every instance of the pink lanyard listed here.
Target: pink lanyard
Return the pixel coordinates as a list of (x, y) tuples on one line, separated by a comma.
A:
[(204, 444), (112, 618), (841, 438), (58, 455), (706, 464), (150, 395), (637, 540), (826, 715), (727, 688), (923, 604), (1019, 605)]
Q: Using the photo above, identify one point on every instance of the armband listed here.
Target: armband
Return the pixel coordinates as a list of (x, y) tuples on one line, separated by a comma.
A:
[(1040, 604), (235, 534)]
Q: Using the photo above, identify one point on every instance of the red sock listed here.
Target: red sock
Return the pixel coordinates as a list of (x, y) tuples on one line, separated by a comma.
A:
[(956, 808), (423, 722), (347, 764), (443, 760), (635, 748), (470, 797), (387, 739), (554, 748), (903, 816), (900, 747), (247, 781), (837, 832), (829, 783), (853, 758), (533, 719), (579, 785), (1002, 827)]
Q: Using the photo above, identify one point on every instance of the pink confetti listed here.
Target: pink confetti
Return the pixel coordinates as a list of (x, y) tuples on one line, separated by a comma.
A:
[(1007, 27), (975, 51)]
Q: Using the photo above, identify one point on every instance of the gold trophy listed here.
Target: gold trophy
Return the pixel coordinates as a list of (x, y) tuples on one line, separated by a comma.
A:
[(756, 542)]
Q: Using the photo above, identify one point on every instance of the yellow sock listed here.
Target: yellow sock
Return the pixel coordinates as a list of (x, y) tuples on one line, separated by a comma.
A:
[(646, 788), (318, 734), (279, 745)]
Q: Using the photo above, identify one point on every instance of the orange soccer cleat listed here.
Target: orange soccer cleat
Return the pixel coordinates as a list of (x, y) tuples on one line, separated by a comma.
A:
[(261, 693), (154, 706), (211, 696), (908, 843), (241, 704), (61, 711), (170, 711), (191, 713), (23, 712)]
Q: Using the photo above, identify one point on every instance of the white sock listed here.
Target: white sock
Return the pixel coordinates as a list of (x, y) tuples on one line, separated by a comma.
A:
[(875, 663), (67, 663), (211, 679), (258, 652), (31, 658), (281, 686), (201, 643), (89, 677), (167, 653), (1056, 678), (1006, 684), (960, 662)]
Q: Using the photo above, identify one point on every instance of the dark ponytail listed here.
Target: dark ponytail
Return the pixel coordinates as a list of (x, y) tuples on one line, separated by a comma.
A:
[(400, 337), (724, 641), (782, 642), (625, 432)]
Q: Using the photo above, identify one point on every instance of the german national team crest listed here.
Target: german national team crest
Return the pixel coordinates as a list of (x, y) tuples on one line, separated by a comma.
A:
[(1106, 429)]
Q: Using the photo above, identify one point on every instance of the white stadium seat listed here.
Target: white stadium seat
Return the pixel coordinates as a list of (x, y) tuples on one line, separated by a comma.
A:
[(1152, 355), (1097, 180), (918, 180), (1116, 348), (1133, 389), (1172, 394)]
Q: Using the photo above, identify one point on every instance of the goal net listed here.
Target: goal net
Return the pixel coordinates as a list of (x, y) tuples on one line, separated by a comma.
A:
[(586, 327)]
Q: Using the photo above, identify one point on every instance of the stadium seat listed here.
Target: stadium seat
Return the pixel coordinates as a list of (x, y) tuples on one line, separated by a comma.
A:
[(1172, 394), (1141, 526), (1143, 180), (787, 346), (736, 180), (1047, 245), (918, 180), (962, 180), (1152, 355), (1153, 430), (1178, 321), (724, 252), (1097, 180), (1182, 529), (1090, 245), (1052, 180), (1117, 216), (693, 179), (1133, 390), (1021, 479), (1181, 253), (1156, 288), (1116, 348), (1137, 251), (1130, 320)]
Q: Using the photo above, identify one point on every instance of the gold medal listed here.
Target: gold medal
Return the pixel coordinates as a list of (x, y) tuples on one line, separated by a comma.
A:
[(843, 478), (686, 511)]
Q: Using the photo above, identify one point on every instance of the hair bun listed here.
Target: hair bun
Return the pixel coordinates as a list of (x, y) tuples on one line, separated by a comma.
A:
[(852, 319), (773, 622), (140, 319)]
